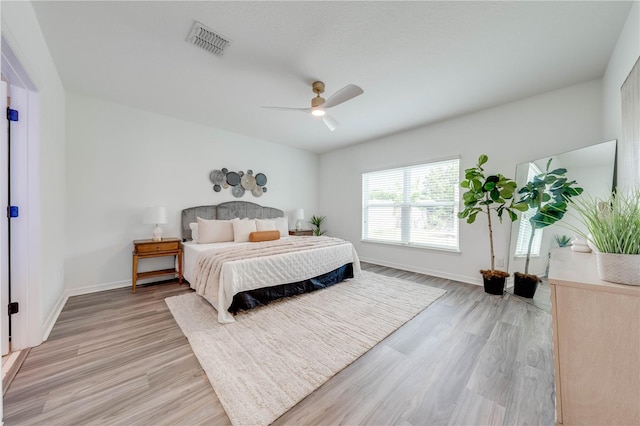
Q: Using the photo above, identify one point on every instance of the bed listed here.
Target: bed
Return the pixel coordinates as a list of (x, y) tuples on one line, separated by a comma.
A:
[(235, 276)]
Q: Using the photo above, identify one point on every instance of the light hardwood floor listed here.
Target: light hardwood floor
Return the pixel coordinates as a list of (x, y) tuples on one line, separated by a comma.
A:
[(119, 358)]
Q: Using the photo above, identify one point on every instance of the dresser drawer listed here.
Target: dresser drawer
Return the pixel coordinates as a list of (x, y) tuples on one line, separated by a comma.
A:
[(157, 247)]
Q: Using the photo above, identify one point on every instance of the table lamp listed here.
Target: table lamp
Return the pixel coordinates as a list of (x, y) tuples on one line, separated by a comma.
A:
[(299, 216), (155, 216)]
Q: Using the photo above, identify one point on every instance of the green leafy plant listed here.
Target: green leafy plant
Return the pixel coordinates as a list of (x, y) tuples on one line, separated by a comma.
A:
[(316, 221), (613, 224), (484, 195), (562, 240), (548, 194)]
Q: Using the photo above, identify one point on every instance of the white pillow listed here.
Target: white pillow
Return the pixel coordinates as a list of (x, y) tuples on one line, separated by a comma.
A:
[(242, 229), (194, 231), (214, 231), (265, 225), (282, 225)]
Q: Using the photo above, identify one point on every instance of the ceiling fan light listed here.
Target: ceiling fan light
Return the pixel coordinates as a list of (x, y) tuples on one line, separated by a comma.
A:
[(317, 112)]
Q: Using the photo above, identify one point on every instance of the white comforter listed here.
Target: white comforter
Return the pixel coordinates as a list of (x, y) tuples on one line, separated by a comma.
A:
[(221, 273)]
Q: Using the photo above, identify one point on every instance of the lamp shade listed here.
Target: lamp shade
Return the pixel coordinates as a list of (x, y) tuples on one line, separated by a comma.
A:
[(299, 215), (155, 215)]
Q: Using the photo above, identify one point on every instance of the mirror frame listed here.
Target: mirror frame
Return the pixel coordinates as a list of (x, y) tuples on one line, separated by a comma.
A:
[(540, 263)]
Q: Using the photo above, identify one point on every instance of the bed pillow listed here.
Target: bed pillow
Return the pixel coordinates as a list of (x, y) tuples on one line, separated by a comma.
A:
[(242, 229), (194, 231), (282, 225), (214, 231), (266, 225), (257, 236)]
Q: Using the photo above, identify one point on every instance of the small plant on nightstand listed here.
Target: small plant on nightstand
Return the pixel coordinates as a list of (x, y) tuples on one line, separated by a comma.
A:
[(316, 221)]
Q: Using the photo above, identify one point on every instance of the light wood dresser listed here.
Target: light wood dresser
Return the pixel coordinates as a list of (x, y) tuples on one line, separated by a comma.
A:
[(596, 343)]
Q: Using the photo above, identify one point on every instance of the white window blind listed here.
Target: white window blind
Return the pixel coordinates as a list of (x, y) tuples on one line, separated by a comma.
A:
[(415, 205), (525, 229)]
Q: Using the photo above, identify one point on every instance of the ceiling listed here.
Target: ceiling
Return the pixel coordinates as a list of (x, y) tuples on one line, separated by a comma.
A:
[(418, 62)]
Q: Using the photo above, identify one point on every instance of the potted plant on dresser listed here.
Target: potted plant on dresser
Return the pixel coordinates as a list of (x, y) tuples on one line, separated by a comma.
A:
[(547, 195), (489, 195), (614, 232)]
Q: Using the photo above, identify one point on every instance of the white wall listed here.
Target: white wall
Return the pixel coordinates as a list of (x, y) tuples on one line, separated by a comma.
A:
[(532, 128), (21, 30), (622, 59), (121, 160)]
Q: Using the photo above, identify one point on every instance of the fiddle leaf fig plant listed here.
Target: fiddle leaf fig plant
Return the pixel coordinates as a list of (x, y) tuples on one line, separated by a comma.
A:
[(486, 194), (548, 194)]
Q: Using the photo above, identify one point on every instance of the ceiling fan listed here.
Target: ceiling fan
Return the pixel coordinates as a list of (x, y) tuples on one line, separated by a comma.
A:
[(319, 105)]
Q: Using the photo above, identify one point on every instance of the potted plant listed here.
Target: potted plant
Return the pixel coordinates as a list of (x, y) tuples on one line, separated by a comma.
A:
[(614, 230), (562, 240), (547, 194), (316, 221), (486, 195)]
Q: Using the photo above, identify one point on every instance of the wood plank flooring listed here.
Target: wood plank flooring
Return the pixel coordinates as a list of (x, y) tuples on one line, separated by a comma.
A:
[(119, 358)]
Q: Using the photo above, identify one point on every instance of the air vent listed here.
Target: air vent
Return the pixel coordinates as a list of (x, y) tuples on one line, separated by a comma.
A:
[(208, 39)]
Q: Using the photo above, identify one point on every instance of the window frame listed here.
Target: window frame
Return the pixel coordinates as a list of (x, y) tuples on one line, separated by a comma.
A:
[(406, 206)]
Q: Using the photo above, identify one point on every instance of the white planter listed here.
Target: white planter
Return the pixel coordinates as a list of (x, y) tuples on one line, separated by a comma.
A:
[(619, 268)]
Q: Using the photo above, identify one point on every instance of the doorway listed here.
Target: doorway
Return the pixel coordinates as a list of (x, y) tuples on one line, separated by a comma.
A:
[(20, 181)]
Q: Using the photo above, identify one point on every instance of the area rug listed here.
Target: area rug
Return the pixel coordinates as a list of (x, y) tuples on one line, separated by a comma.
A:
[(273, 356)]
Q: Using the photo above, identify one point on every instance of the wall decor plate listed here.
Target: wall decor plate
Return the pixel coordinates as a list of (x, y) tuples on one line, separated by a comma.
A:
[(216, 177), (217, 188), (261, 179), (248, 182), (257, 191), (233, 178), (237, 191)]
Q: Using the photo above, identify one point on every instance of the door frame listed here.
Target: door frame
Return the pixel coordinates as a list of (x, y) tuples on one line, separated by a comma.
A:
[(25, 251)]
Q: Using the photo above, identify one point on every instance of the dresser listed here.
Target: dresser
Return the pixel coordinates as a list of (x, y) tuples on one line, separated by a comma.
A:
[(596, 343)]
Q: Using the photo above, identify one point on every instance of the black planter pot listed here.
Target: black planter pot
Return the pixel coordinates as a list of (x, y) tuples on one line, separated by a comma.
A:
[(494, 284), (525, 285)]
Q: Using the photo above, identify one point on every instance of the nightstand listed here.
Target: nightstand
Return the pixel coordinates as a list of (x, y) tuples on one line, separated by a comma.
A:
[(144, 249), (307, 232)]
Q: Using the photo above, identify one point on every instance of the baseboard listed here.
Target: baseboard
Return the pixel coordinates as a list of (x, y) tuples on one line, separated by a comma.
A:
[(55, 313), (434, 273), (97, 287), (53, 316)]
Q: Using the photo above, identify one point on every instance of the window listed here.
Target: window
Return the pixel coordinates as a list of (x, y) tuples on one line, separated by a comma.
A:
[(415, 205), (524, 231)]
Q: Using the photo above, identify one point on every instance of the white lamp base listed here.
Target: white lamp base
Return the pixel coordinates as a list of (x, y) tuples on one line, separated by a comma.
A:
[(157, 234), (299, 225)]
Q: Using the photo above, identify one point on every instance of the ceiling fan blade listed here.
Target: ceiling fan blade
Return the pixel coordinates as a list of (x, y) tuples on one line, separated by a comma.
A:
[(331, 123), (349, 91), (288, 109)]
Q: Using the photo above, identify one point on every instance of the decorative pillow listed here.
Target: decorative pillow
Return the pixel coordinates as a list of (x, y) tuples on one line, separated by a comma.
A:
[(282, 225), (214, 231), (266, 225), (242, 229), (194, 231), (264, 236)]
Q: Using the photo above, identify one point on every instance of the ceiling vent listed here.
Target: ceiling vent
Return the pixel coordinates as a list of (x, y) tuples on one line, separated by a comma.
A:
[(208, 39)]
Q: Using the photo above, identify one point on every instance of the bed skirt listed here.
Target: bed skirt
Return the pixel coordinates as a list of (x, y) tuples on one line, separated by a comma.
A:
[(261, 296)]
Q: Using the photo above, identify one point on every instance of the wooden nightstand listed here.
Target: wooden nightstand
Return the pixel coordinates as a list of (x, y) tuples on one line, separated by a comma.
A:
[(144, 249), (301, 232)]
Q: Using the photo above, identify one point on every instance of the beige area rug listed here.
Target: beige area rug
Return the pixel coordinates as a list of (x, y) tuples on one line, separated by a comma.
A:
[(273, 356)]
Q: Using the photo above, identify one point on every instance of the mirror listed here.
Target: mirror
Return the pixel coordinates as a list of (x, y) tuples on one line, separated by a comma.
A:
[(593, 169)]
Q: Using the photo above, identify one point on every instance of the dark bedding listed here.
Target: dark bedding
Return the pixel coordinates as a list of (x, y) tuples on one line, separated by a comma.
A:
[(261, 296)]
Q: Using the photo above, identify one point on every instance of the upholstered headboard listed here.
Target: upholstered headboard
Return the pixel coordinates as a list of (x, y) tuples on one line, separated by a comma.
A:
[(225, 211)]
